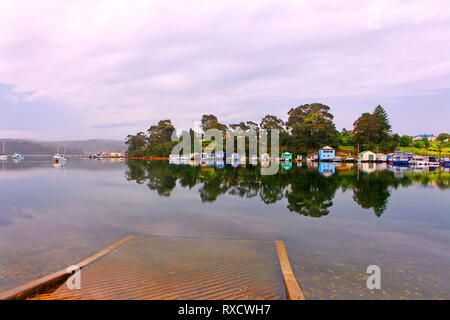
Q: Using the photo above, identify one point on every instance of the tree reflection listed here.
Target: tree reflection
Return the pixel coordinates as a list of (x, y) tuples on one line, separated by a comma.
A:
[(311, 194), (306, 191)]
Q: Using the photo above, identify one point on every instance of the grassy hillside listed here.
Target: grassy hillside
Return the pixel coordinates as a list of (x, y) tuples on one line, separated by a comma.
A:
[(423, 151)]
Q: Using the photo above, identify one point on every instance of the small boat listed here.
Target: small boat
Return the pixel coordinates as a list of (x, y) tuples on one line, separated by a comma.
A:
[(3, 156), (445, 162), (299, 158), (265, 157), (59, 158), (418, 161), (433, 162), (399, 160), (350, 159), (254, 158), (17, 156), (337, 159)]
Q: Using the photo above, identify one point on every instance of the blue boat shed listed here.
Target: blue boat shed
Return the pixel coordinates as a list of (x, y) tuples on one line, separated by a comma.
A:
[(327, 154)]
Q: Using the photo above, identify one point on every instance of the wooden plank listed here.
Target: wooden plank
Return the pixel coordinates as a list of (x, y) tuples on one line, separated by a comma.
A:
[(53, 281), (293, 290)]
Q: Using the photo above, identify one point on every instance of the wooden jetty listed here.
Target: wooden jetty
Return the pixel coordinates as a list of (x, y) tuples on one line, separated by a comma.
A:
[(160, 268)]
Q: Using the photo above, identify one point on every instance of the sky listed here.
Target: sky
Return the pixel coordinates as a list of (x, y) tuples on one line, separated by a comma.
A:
[(106, 69)]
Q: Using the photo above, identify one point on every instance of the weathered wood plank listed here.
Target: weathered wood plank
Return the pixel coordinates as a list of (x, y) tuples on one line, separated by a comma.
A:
[(293, 290), (53, 281)]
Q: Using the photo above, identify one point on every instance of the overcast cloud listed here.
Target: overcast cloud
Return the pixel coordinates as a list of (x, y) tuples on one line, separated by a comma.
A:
[(87, 69)]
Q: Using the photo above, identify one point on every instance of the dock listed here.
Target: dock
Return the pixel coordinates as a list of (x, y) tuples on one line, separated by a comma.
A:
[(161, 268)]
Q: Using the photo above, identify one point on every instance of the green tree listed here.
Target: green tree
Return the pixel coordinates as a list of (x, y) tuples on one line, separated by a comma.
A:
[(136, 144), (405, 141), (418, 144), (161, 133), (384, 125), (367, 128), (346, 138), (312, 126), (239, 126), (253, 125), (443, 137), (298, 114), (209, 121), (426, 143), (272, 122)]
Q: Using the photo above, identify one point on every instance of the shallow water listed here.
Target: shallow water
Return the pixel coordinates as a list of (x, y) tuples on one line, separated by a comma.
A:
[(335, 222)]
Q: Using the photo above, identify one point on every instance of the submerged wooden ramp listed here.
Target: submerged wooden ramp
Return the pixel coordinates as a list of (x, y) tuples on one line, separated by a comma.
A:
[(145, 267)]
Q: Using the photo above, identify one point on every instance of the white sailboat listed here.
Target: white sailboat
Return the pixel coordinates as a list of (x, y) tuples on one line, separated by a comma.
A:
[(17, 156), (58, 157), (3, 156)]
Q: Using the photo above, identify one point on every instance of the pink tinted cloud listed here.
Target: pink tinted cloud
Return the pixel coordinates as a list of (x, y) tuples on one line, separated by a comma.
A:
[(123, 61)]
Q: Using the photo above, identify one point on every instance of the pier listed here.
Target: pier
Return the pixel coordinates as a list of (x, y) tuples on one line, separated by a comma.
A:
[(149, 268)]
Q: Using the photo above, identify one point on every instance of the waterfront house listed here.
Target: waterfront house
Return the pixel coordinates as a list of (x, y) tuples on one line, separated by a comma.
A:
[(367, 156), (265, 157), (430, 137), (327, 154), (220, 155), (286, 156), (381, 157)]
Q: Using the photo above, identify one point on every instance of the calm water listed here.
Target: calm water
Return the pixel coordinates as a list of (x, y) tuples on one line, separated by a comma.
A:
[(335, 222)]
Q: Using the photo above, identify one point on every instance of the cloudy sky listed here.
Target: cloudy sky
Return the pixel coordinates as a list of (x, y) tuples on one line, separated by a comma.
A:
[(104, 69)]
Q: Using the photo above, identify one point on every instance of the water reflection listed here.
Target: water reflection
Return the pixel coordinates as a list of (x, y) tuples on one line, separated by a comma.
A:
[(309, 189)]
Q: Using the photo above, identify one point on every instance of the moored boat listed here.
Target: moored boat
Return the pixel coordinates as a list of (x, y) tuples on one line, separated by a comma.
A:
[(418, 161), (3, 156), (445, 162), (399, 160), (17, 156), (59, 158), (433, 162)]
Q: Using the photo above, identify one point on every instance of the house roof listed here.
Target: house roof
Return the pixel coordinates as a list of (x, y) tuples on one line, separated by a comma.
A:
[(425, 135), (327, 148), (364, 152)]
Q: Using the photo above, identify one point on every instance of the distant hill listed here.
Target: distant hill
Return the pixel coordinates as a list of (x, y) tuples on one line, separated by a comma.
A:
[(28, 147), (89, 146)]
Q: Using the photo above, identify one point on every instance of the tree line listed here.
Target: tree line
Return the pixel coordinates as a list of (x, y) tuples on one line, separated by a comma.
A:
[(308, 127)]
